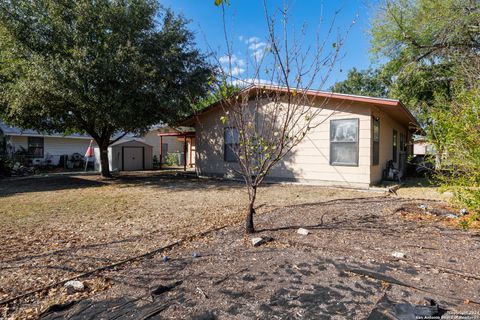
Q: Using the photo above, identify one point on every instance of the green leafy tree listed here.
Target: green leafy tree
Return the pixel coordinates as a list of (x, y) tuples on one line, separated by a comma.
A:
[(425, 42), (457, 125), (370, 82), (222, 91), (104, 67), (431, 48)]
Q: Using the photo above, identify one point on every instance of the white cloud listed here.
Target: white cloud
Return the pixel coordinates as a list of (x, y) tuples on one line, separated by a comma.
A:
[(236, 71), (232, 65), (258, 54), (250, 81), (233, 59), (252, 40), (257, 45)]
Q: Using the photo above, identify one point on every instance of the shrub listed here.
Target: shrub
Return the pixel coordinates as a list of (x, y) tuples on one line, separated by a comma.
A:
[(171, 159)]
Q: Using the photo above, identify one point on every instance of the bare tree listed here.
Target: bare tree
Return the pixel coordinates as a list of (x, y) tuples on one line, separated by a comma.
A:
[(278, 105)]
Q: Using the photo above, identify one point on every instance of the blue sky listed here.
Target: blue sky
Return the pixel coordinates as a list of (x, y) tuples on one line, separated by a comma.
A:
[(246, 20)]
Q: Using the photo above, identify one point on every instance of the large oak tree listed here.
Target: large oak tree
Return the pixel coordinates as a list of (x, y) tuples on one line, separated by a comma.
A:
[(103, 67)]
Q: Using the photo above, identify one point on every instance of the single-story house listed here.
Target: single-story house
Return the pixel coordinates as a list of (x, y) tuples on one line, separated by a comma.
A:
[(381, 130), (39, 148)]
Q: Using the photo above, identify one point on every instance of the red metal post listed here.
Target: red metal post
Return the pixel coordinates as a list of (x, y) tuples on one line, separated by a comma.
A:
[(191, 142), (185, 153)]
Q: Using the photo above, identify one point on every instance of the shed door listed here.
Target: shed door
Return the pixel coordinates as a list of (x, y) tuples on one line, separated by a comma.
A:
[(132, 158)]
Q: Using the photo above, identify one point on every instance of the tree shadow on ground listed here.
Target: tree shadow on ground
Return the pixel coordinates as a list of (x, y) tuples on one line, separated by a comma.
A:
[(44, 184), (167, 181)]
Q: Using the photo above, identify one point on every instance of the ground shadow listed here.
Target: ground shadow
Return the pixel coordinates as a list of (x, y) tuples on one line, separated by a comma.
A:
[(44, 184)]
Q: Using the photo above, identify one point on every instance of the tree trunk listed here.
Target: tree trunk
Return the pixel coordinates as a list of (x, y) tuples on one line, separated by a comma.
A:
[(104, 160), (249, 228)]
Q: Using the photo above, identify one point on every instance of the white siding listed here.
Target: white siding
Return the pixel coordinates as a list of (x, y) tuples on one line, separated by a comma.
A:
[(115, 155), (54, 147)]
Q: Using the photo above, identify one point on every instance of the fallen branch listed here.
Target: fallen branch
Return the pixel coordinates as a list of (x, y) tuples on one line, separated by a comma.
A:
[(381, 277)]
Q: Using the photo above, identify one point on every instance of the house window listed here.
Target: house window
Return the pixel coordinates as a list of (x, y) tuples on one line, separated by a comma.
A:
[(344, 142), (376, 141), (402, 142), (394, 143), (35, 147), (164, 152), (231, 139)]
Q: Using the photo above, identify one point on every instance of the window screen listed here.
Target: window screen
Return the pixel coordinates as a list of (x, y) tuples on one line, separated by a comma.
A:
[(344, 142), (394, 143), (376, 141), (402, 142), (35, 147), (231, 139)]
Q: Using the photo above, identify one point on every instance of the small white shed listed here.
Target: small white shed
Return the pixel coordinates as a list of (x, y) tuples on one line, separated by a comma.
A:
[(127, 155)]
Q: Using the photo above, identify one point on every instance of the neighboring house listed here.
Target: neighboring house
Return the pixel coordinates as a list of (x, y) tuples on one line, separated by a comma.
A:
[(381, 131), (167, 140), (39, 148), (422, 147)]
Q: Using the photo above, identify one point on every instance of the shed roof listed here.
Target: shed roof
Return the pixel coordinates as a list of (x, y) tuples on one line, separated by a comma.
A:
[(122, 142)]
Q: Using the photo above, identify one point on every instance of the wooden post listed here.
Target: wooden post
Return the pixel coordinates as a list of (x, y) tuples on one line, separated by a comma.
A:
[(161, 151), (185, 153)]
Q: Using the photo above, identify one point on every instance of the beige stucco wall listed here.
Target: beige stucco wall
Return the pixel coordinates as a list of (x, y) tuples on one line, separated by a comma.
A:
[(387, 125), (308, 162)]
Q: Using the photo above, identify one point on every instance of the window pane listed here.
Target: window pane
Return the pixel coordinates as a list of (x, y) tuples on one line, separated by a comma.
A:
[(376, 142), (344, 153), (376, 130), (344, 130), (35, 146), (376, 153), (229, 153), (394, 151), (402, 141), (231, 135)]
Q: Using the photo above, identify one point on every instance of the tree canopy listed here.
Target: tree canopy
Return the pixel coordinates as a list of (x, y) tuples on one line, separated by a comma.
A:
[(428, 44), (101, 67), (432, 51), (370, 82)]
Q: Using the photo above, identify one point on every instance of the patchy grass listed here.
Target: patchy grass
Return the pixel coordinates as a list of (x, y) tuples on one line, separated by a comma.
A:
[(52, 228), (421, 188)]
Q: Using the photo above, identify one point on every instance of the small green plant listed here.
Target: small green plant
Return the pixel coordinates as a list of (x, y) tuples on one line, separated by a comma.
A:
[(156, 163), (464, 224), (171, 159)]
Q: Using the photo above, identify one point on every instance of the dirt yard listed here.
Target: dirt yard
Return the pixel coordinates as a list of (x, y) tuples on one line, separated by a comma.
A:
[(54, 228), (343, 269)]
